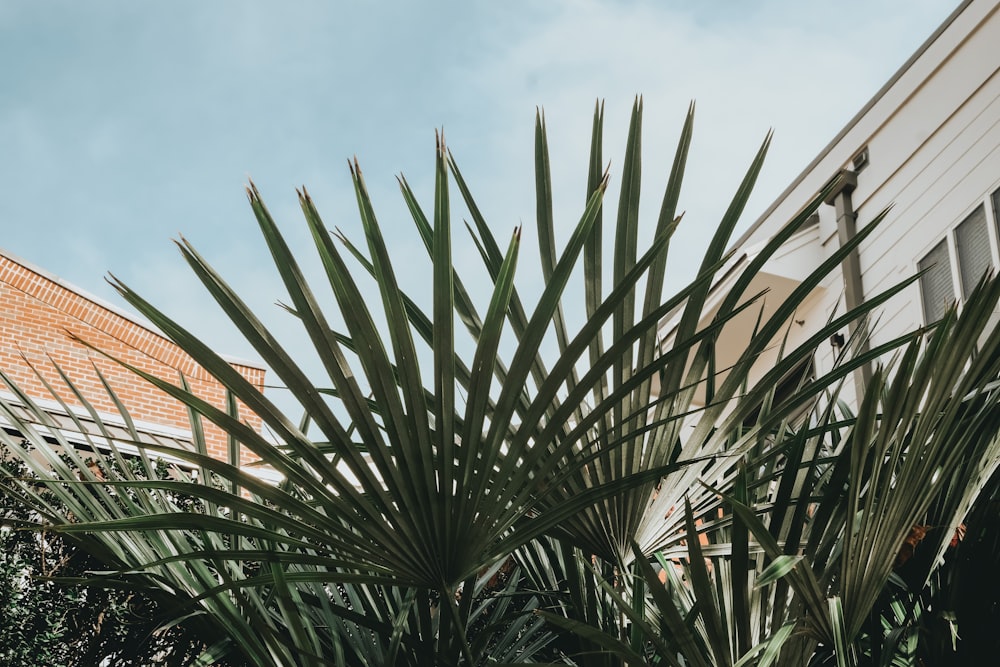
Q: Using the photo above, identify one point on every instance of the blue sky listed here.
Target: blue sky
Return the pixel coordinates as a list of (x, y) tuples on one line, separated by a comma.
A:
[(124, 124)]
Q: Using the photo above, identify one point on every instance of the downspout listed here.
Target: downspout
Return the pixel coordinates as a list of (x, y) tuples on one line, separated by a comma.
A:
[(840, 198)]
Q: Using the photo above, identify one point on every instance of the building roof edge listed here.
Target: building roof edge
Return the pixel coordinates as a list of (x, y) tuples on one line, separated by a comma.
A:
[(132, 317), (853, 122)]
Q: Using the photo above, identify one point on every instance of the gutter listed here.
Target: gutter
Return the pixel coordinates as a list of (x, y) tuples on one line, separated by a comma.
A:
[(847, 226), (852, 123)]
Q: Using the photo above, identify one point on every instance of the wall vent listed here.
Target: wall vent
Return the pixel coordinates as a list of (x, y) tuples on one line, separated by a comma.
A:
[(860, 161)]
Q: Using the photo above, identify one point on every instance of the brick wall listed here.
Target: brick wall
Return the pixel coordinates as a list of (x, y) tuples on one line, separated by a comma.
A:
[(37, 314)]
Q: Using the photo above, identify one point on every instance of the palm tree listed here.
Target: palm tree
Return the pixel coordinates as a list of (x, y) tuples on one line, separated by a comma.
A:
[(421, 469), (800, 560)]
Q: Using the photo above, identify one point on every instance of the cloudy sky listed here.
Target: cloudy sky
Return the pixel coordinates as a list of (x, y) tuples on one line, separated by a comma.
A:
[(125, 124)]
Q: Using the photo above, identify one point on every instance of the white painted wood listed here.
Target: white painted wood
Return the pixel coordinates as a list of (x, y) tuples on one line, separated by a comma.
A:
[(933, 136)]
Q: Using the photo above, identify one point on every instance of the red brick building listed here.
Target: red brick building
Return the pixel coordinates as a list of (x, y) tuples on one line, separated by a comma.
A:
[(38, 312)]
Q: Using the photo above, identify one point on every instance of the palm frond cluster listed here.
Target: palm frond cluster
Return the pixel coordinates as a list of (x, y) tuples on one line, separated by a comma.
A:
[(479, 482)]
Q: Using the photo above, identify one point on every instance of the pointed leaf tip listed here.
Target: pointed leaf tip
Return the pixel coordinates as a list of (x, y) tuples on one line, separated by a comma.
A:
[(605, 177), (252, 190)]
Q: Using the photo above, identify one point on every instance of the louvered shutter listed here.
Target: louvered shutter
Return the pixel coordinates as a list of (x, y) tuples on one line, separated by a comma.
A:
[(935, 285), (973, 241)]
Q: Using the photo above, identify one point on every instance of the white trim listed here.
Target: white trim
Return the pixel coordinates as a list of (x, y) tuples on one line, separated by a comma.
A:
[(155, 432), (111, 419)]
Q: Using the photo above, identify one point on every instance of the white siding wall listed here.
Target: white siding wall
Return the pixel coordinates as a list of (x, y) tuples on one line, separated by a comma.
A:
[(933, 137), (933, 190), (934, 145)]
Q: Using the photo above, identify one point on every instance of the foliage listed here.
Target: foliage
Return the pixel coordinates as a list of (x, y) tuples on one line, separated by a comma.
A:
[(809, 536), (441, 507), (50, 623)]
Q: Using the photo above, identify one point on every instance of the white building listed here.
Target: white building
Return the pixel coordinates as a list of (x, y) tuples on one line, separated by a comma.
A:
[(928, 144)]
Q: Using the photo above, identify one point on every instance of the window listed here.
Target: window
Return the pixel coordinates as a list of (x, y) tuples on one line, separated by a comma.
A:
[(972, 242), (935, 284), (972, 239)]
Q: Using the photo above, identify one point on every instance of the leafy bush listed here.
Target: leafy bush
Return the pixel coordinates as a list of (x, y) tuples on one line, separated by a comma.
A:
[(48, 621)]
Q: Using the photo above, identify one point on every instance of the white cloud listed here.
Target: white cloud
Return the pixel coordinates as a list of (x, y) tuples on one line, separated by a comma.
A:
[(799, 69), (179, 114)]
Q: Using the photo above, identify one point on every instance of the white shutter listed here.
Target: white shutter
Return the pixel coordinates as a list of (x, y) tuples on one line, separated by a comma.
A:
[(973, 242), (935, 285)]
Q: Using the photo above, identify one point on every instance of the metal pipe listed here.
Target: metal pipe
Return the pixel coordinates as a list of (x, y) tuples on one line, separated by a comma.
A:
[(840, 198)]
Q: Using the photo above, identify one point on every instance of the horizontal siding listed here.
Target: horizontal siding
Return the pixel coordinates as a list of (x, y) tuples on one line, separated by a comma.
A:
[(936, 188), (933, 137)]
